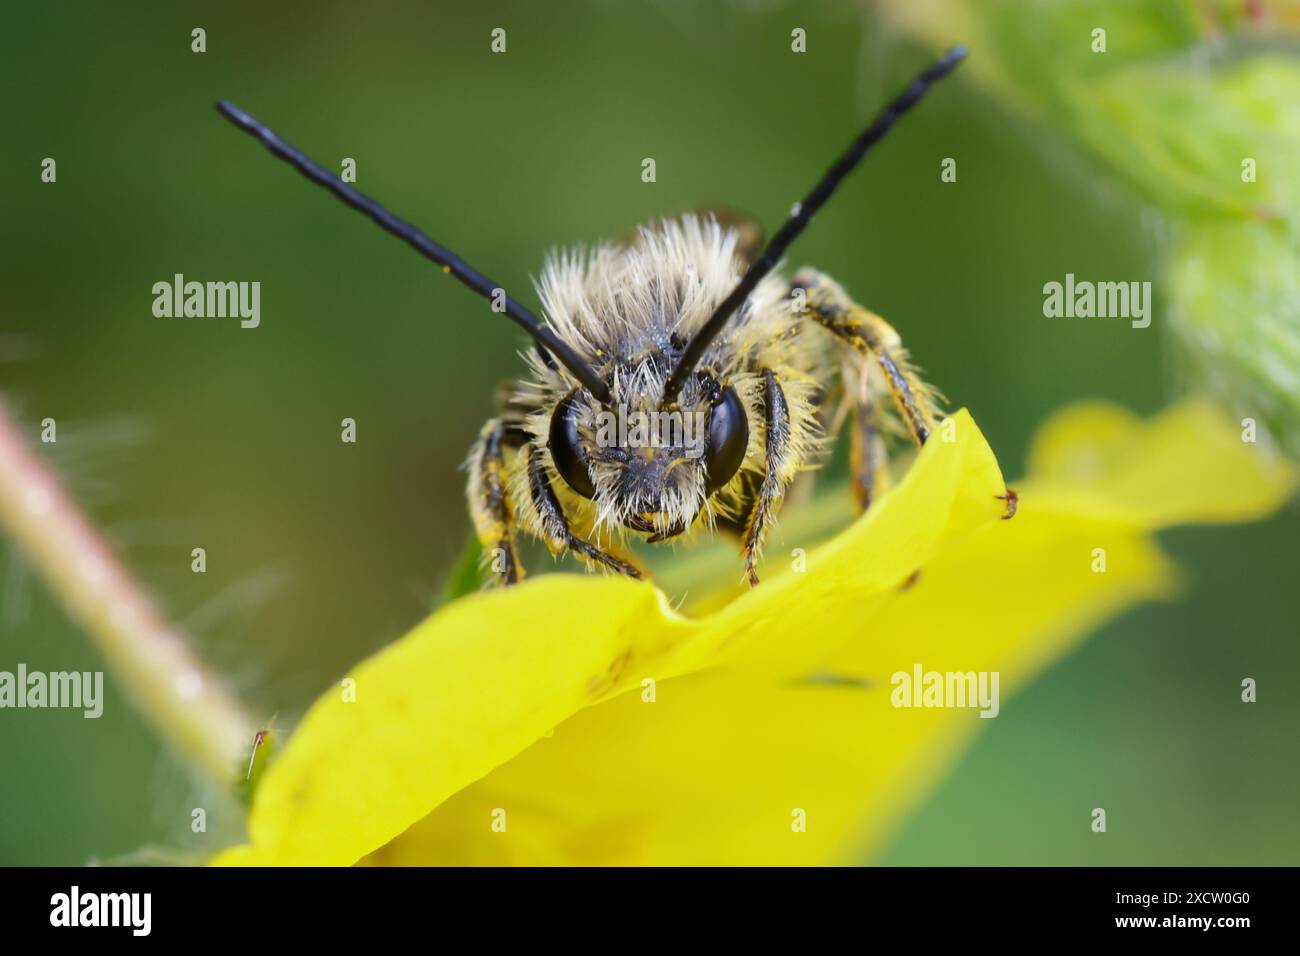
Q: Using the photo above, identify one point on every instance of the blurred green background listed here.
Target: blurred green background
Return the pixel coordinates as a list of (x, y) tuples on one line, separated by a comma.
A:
[(179, 433)]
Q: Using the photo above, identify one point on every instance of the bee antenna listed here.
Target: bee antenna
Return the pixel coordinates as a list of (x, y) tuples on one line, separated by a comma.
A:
[(451, 263), (804, 211)]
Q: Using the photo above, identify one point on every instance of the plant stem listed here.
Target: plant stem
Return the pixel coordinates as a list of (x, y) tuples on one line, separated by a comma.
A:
[(186, 704)]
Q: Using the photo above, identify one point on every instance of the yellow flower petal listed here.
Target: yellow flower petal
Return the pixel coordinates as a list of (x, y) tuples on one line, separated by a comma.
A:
[(1187, 464), (774, 709)]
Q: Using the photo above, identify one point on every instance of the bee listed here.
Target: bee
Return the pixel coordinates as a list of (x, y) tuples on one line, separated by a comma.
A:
[(677, 383)]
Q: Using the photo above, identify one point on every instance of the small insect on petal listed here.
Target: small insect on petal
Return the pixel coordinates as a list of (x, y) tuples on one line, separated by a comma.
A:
[(1013, 504)]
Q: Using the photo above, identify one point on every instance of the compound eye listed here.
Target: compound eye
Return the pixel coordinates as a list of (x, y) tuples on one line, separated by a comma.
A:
[(728, 439), (566, 448)]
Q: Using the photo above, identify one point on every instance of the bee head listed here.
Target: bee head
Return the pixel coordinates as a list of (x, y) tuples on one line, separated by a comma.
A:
[(647, 468)]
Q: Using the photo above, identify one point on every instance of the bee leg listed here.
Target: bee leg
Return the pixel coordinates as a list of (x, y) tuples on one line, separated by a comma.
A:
[(867, 459), (489, 504), (555, 526), (778, 471), (875, 341), (863, 393)]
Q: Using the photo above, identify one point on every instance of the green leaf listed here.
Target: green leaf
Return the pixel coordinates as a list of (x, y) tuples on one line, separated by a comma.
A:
[(1196, 107), (466, 575)]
